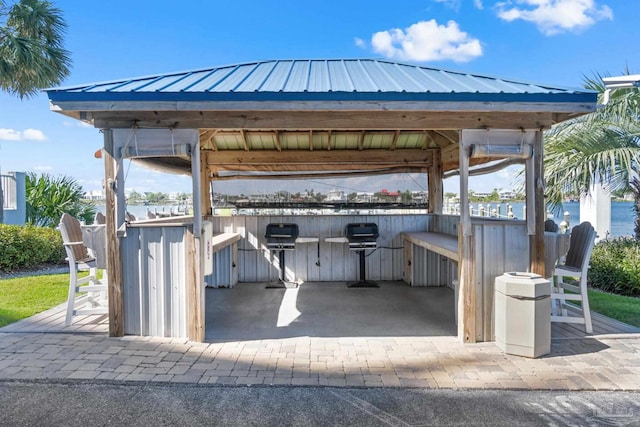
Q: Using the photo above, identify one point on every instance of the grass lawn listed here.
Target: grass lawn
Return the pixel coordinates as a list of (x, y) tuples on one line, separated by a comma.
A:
[(23, 297), (624, 309)]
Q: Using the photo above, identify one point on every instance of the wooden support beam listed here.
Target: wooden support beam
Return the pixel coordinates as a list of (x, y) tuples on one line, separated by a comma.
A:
[(329, 140), (361, 140), (114, 264), (310, 139), (322, 120), (205, 185), (466, 266), (328, 174), (435, 184), (195, 269), (536, 245), (344, 158)]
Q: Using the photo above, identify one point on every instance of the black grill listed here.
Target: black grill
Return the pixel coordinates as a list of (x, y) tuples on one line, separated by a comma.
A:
[(362, 235), (281, 236)]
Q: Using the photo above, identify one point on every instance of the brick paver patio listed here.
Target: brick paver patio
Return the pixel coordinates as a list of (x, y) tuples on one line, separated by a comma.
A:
[(595, 363)]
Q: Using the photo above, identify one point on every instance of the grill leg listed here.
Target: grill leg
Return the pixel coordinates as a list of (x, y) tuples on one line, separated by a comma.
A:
[(281, 260), (282, 276), (363, 282)]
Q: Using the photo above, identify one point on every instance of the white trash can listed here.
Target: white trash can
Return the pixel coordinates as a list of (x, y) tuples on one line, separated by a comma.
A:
[(523, 314)]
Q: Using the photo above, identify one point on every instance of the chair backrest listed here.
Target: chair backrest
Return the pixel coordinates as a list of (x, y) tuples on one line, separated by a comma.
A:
[(583, 238), (550, 225), (99, 218), (71, 232)]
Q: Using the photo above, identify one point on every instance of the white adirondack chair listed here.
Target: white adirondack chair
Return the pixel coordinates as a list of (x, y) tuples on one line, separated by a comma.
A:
[(576, 265), (92, 297)]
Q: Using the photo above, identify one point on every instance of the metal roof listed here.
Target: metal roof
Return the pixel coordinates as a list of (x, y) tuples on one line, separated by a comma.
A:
[(319, 80)]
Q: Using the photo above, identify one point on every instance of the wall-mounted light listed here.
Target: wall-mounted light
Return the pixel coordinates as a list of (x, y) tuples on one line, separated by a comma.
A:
[(479, 151)]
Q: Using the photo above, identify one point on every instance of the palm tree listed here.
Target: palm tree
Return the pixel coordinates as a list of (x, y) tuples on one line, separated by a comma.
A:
[(603, 146), (49, 197), (32, 56)]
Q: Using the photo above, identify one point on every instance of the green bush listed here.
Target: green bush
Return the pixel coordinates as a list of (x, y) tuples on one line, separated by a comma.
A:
[(615, 266), (29, 247)]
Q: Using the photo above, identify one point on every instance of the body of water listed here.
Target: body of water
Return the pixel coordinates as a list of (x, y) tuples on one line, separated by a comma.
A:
[(622, 214)]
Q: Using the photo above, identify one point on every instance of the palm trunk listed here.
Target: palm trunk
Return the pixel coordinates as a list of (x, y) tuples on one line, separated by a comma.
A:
[(635, 187)]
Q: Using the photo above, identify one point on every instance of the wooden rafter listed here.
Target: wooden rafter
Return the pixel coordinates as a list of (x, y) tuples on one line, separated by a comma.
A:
[(206, 139), (394, 141), (276, 140), (243, 134)]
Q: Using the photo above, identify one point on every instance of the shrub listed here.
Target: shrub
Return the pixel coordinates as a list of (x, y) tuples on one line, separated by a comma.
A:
[(29, 247), (615, 266)]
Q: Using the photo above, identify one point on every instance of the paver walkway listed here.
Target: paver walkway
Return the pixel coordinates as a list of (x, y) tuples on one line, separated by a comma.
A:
[(600, 363)]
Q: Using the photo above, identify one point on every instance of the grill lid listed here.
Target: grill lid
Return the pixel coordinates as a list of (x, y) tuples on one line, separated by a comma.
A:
[(362, 231)]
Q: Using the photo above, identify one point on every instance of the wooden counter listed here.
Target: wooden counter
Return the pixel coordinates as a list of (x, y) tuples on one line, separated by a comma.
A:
[(443, 244)]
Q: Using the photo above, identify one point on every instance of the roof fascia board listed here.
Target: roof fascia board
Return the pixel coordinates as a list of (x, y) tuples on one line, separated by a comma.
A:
[(564, 97), (96, 106)]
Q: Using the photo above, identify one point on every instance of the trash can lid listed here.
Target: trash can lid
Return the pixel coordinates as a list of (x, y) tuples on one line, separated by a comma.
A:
[(523, 284), (521, 275)]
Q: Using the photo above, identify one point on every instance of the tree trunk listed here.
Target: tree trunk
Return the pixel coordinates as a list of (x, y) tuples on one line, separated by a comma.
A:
[(635, 187)]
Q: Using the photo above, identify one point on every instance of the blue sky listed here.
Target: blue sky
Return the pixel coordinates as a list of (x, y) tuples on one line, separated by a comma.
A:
[(543, 41)]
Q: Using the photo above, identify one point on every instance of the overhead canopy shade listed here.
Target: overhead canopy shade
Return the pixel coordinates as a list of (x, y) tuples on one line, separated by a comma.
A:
[(365, 115)]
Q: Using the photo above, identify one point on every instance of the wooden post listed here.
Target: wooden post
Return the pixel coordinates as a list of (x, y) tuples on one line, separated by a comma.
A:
[(536, 240), (466, 266), (205, 185), (435, 184), (114, 265), (195, 270)]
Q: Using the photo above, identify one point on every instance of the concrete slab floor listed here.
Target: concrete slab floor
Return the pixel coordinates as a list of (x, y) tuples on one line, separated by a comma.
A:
[(249, 311)]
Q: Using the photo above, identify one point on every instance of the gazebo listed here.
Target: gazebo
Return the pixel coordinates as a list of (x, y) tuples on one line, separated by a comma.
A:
[(288, 119)]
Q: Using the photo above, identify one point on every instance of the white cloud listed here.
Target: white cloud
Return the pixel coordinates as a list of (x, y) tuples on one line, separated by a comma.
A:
[(427, 41), (33, 135), (359, 42), (556, 16), (478, 4), (25, 135), (43, 168), (9, 135)]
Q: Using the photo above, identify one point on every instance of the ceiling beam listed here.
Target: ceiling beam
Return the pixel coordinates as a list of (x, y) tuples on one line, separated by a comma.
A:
[(344, 158), (323, 120), (346, 174)]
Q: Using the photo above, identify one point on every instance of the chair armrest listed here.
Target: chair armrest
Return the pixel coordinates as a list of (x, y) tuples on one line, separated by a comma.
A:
[(73, 243)]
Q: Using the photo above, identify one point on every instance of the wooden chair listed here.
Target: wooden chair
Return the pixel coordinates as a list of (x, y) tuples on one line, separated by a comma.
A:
[(576, 266), (99, 218), (551, 226), (93, 296)]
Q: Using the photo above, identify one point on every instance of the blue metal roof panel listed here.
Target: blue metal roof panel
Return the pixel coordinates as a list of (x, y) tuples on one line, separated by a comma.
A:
[(298, 77), (254, 81), (326, 79), (319, 78), (339, 78), (278, 77)]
